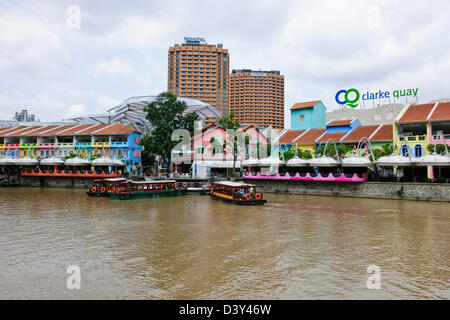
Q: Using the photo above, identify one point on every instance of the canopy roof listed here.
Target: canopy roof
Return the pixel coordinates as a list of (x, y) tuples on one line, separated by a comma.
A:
[(132, 110)]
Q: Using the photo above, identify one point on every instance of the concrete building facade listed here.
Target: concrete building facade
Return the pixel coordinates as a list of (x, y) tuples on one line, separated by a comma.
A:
[(257, 97), (200, 71)]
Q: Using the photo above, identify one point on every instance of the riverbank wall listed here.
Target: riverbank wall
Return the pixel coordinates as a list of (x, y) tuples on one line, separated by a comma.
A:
[(55, 182), (377, 190)]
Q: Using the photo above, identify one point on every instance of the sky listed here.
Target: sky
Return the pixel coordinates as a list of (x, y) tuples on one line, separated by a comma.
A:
[(61, 59)]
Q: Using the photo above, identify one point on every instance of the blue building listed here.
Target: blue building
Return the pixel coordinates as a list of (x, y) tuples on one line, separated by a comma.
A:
[(308, 115)]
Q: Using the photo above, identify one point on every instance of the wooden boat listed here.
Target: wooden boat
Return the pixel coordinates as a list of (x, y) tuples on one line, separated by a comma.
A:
[(103, 187), (146, 189), (237, 192)]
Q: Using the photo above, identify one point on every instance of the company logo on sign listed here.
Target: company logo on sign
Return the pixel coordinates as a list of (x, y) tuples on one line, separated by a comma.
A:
[(351, 96), (200, 39)]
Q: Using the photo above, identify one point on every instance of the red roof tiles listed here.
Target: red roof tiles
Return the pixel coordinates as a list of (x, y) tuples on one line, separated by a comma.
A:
[(359, 132), (290, 135), (442, 112), (336, 123), (302, 105), (335, 136), (417, 113), (384, 133), (67, 130), (309, 137)]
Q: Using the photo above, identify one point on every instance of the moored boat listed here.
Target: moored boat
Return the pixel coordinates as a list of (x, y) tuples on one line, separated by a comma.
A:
[(146, 189), (237, 192), (103, 187)]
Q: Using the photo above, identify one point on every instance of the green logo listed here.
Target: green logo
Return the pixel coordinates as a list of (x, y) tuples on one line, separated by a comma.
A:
[(351, 102)]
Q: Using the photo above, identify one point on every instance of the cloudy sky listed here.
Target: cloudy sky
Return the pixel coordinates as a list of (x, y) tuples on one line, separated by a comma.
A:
[(57, 70)]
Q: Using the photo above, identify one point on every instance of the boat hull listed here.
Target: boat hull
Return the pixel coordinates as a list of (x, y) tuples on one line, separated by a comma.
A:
[(251, 202), (144, 195), (98, 194)]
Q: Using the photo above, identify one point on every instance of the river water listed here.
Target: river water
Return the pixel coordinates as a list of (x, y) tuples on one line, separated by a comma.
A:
[(193, 247)]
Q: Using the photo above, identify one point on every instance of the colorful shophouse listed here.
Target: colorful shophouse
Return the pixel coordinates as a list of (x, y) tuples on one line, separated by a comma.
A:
[(114, 141), (418, 126), (209, 156), (308, 115)]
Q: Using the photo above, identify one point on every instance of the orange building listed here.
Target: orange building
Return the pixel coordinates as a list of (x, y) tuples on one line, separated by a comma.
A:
[(200, 71), (257, 97)]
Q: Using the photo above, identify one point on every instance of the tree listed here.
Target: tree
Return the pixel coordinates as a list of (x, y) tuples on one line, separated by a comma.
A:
[(165, 115), (229, 123), (342, 149)]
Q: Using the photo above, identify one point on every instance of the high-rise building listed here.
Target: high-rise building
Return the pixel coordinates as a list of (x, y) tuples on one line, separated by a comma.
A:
[(257, 97), (200, 71)]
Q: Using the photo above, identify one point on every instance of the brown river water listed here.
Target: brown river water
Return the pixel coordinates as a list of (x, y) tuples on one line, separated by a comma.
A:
[(193, 247)]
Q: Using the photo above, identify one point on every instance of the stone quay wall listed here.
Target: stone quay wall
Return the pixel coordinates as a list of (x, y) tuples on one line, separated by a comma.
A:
[(377, 190)]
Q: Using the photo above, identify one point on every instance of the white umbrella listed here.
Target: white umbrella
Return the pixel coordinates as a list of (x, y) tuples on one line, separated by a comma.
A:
[(433, 159), (356, 161), (251, 162), (323, 161), (297, 162), (394, 160), (103, 161), (271, 161), (26, 161), (7, 161), (77, 161), (52, 161)]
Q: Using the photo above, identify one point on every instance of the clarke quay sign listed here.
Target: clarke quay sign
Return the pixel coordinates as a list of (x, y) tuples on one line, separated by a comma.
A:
[(352, 96)]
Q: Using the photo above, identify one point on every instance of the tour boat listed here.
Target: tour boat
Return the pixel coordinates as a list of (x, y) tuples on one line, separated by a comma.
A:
[(146, 189), (237, 192), (103, 187)]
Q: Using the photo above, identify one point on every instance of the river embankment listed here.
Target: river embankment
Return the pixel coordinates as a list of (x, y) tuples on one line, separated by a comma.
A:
[(373, 190)]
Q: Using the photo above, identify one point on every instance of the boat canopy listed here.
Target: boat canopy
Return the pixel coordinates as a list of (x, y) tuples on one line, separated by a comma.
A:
[(235, 184)]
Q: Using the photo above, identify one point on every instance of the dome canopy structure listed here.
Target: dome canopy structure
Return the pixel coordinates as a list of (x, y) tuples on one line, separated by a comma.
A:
[(131, 110)]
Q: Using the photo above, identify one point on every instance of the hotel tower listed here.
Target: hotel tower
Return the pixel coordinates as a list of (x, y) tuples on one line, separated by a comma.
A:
[(257, 97), (200, 71)]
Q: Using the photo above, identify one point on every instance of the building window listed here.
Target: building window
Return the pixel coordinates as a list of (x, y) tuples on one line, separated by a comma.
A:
[(405, 151), (301, 117), (418, 151)]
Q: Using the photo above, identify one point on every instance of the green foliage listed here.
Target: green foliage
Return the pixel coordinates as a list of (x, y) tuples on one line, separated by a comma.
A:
[(70, 156), (386, 150), (342, 149), (95, 156), (125, 174), (147, 156), (232, 141), (302, 154), (440, 148), (165, 115)]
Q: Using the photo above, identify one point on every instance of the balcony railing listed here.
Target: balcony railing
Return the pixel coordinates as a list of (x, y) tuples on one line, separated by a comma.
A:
[(100, 144), (65, 144), (46, 145), (83, 144), (28, 145), (119, 144)]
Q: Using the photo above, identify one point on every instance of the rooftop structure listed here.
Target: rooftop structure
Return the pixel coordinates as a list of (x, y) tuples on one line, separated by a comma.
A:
[(131, 111)]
